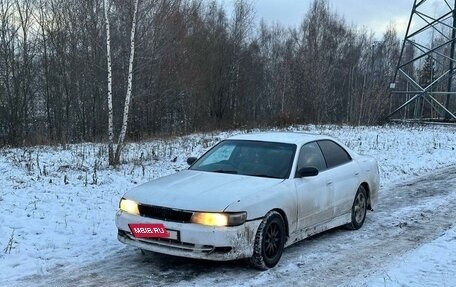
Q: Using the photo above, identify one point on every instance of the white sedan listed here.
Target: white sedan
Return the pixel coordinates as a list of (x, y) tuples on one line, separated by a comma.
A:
[(250, 196)]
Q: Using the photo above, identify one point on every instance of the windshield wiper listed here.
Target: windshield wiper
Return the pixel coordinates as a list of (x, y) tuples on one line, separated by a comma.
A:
[(225, 171)]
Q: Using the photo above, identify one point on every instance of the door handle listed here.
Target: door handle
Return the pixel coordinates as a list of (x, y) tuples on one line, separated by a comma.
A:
[(356, 173), (329, 183)]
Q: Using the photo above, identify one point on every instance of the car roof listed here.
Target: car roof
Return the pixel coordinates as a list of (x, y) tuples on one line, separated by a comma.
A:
[(297, 138)]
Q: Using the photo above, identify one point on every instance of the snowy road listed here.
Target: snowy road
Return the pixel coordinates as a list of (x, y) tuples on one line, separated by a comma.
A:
[(409, 214)]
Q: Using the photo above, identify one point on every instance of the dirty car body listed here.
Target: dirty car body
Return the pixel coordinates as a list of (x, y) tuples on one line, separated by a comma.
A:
[(252, 195)]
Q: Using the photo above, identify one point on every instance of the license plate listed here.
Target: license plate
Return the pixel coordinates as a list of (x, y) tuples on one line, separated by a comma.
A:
[(151, 230)]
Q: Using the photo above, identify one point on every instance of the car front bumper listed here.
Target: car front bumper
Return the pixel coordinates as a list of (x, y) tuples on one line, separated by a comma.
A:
[(195, 240)]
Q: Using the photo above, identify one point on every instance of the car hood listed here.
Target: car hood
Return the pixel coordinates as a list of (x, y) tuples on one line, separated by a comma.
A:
[(199, 190)]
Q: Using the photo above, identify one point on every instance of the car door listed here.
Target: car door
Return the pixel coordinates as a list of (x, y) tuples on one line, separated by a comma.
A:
[(312, 194), (343, 176)]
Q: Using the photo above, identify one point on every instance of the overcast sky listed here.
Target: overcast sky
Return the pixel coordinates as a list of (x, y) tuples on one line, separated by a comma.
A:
[(375, 15)]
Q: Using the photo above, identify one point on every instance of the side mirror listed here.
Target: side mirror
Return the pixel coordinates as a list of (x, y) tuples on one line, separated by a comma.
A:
[(307, 172), (191, 160)]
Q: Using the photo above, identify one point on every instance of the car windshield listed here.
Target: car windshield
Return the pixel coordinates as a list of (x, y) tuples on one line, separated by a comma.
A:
[(253, 158)]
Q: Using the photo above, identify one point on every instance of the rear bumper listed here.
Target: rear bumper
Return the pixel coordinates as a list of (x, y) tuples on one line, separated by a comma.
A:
[(195, 240)]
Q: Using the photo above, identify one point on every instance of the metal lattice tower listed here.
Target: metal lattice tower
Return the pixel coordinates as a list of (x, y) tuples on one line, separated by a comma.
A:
[(423, 87)]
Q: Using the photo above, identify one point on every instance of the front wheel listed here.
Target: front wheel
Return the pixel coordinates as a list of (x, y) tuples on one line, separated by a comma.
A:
[(359, 209), (269, 241)]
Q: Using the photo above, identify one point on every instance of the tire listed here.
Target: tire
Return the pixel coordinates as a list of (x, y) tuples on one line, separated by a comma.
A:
[(269, 241), (359, 209)]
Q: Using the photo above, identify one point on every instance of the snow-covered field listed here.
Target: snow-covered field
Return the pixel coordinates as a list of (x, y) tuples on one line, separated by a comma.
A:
[(58, 203)]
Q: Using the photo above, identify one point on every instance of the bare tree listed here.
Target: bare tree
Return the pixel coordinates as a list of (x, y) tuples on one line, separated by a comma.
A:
[(109, 94), (67, 66), (241, 25), (114, 159), (123, 131)]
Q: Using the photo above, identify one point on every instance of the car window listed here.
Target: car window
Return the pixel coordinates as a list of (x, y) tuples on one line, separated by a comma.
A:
[(224, 153), (334, 154), (253, 158), (310, 155)]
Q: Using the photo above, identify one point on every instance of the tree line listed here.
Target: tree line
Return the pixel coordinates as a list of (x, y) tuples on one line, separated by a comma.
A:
[(197, 67)]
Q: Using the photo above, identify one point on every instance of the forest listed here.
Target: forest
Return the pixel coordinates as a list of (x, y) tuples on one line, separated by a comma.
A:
[(197, 67)]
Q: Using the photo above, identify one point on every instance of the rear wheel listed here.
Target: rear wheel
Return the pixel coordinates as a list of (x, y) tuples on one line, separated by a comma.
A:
[(269, 241), (359, 209)]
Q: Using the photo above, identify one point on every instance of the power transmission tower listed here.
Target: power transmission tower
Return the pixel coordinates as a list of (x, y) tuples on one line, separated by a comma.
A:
[(423, 88)]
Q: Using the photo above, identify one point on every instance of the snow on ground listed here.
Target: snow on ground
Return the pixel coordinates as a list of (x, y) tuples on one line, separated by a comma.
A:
[(58, 203), (432, 264)]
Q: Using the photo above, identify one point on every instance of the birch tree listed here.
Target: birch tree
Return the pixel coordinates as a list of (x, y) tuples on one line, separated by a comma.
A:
[(108, 60), (114, 160)]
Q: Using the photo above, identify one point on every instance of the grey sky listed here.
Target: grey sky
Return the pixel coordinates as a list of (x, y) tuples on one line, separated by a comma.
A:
[(375, 15)]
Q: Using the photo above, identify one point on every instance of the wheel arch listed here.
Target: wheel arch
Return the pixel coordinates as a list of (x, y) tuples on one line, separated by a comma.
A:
[(285, 219), (366, 187)]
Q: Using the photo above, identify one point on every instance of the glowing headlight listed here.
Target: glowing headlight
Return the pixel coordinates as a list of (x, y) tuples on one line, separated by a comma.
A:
[(129, 206), (219, 219)]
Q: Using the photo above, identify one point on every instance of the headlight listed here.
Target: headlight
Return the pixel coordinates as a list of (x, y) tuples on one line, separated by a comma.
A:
[(219, 219), (129, 206)]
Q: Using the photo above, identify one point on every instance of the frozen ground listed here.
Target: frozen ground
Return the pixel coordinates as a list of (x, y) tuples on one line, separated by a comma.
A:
[(58, 205)]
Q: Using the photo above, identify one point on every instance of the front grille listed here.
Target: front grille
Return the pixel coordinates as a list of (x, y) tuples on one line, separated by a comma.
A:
[(164, 213)]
